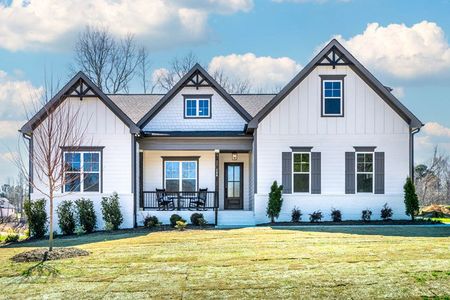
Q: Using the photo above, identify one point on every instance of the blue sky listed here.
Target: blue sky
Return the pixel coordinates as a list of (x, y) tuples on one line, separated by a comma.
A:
[(404, 43)]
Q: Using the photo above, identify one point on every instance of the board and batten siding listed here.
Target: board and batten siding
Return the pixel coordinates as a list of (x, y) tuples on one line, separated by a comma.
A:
[(107, 130), (368, 121), (171, 116)]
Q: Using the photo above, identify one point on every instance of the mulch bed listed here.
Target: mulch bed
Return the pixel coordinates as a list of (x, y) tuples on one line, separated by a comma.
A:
[(344, 223), (43, 254)]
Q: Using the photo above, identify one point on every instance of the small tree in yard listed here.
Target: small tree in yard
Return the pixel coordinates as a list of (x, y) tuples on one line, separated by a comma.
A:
[(60, 126), (411, 199), (111, 212), (275, 201)]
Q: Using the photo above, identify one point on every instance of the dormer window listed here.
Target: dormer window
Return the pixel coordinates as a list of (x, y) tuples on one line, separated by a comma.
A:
[(332, 95), (197, 106)]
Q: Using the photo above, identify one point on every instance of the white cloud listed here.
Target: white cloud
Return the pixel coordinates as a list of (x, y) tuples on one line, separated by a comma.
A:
[(10, 156), (308, 1), (262, 72), (9, 129), (15, 97), (432, 134), (402, 51), (28, 24)]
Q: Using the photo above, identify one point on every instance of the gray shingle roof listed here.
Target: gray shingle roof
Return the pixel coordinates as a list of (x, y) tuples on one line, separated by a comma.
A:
[(136, 106)]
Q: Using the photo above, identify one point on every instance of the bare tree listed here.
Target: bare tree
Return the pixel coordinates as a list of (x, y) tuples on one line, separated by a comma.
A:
[(433, 181), (64, 125), (111, 63), (179, 66), (144, 69)]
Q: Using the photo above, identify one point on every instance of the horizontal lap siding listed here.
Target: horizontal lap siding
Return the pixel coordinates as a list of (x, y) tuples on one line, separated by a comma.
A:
[(171, 116)]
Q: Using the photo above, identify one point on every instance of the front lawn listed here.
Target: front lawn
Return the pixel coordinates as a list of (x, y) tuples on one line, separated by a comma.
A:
[(391, 262)]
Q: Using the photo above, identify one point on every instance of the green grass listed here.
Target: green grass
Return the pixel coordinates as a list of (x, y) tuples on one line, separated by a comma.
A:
[(442, 220), (388, 262)]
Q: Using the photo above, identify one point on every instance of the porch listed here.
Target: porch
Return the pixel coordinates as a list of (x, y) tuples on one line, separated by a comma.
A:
[(212, 176)]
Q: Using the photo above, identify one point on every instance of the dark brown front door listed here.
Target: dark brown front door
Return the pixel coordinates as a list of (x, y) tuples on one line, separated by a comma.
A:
[(233, 186)]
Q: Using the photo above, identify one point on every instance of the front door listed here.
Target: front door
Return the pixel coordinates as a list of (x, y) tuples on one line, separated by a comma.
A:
[(233, 186)]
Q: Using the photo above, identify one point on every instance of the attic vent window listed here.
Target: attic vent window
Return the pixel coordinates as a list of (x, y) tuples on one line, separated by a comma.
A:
[(197, 106), (332, 96)]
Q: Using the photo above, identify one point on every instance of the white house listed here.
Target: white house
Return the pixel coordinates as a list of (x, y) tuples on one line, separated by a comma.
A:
[(334, 136)]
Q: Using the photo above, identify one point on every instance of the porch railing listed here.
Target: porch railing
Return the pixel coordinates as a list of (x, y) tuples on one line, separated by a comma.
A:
[(180, 200)]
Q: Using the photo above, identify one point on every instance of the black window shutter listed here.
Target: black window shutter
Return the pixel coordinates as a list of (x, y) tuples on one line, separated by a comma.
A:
[(315, 173), (379, 172), (286, 172), (349, 172)]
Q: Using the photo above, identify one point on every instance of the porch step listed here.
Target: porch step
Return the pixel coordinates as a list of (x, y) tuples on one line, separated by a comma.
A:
[(236, 218)]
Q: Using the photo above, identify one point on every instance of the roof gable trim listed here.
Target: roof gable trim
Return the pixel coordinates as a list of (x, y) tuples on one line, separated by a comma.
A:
[(196, 77), (79, 86)]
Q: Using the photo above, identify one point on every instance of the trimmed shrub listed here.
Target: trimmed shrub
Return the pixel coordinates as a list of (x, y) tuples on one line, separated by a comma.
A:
[(111, 212), (296, 215), (202, 222), (181, 225), (336, 215), (66, 217), (36, 216), (174, 219), (316, 216), (151, 221), (275, 201), (195, 217), (87, 219), (411, 200), (386, 212), (366, 214)]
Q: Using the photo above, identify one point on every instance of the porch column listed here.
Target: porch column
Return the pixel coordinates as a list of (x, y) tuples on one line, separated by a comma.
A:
[(216, 195)]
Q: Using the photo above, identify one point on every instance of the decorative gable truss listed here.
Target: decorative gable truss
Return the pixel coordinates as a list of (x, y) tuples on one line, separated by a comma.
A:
[(197, 81), (79, 86), (334, 58)]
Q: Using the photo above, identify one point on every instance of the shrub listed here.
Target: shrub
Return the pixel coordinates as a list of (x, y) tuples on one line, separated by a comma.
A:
[(36, 216), (195, 217), (11, 237), (316, 216), (275, 201), (151, 221), (181, 225), (79, 230), (66, 217), (202, 222), (87, 218), (174, 219), (366, 214), (336, 215), (111, 212), (411, 199), (386, 212), (296, 215)]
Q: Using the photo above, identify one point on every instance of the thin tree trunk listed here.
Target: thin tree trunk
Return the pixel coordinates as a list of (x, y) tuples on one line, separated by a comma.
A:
[(50, 240)]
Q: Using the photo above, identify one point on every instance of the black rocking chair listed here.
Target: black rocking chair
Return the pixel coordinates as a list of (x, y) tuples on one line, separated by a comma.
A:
[(199, 202), (164, 203)]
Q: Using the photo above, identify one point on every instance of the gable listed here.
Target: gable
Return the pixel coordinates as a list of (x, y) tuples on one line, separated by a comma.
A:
[(332, 56), (197, 78), (82, 87)]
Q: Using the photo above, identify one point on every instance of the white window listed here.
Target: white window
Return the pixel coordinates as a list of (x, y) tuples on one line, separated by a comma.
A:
[(332, 98), (197, 107), (82, 171), (180, 176), (364, 172), (301, 172)]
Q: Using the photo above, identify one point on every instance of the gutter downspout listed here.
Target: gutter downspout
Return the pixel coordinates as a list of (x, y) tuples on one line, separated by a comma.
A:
[(411, 146), (29, 137)]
